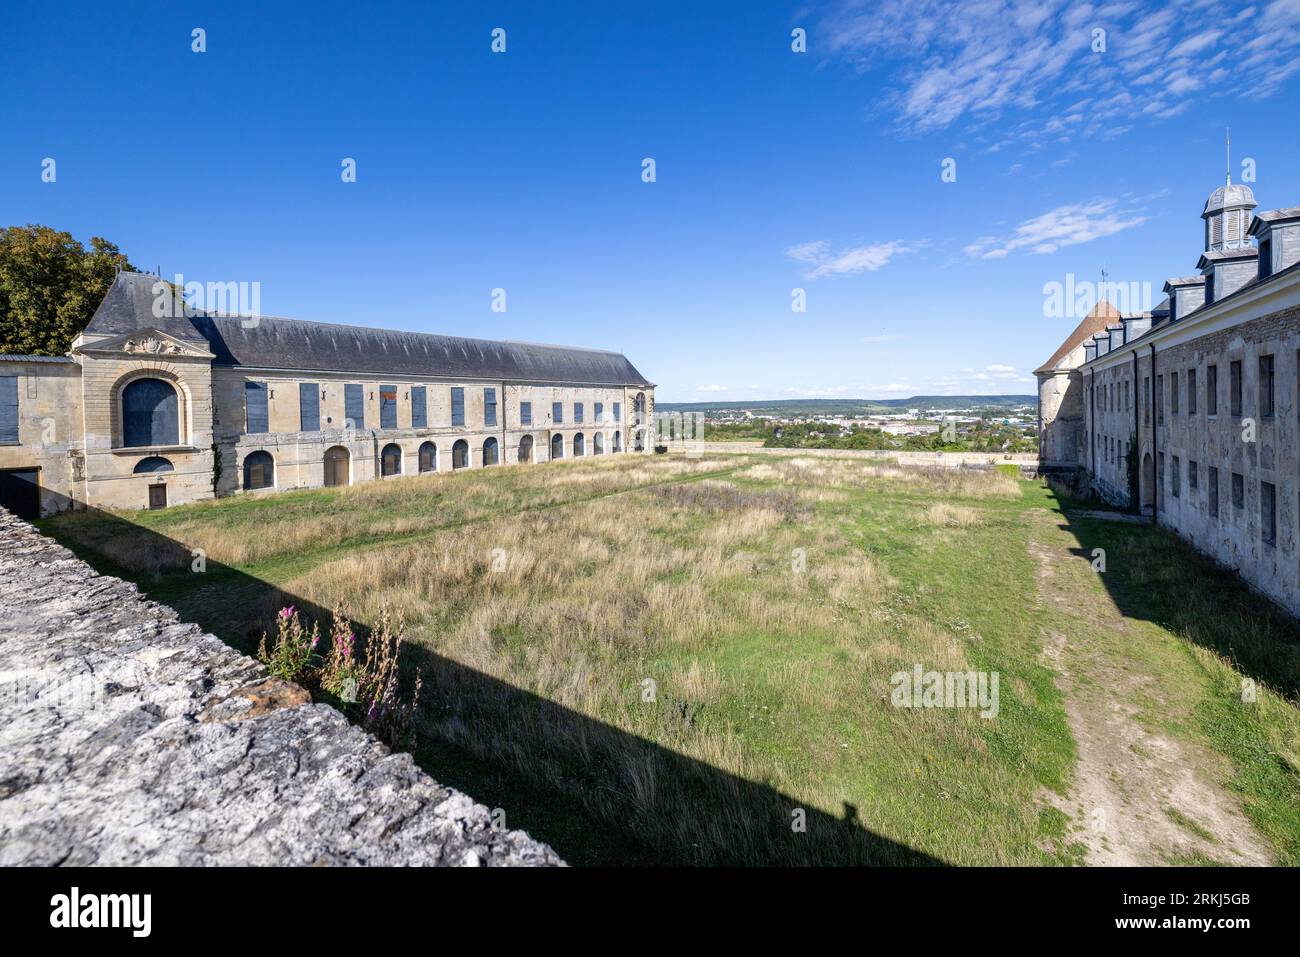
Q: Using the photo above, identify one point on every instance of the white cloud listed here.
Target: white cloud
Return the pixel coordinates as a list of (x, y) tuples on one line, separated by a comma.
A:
[(710, 388), (1031, 67), (822, 262), (998, 368), (1067, 225)]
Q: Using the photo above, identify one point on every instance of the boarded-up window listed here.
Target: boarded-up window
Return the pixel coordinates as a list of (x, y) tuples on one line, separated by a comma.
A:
[(256, 415), (9, 410), (1238, 490), (419, 407), (1268, 512), (259, 470), (557, 413), (1191, 391), (457, 406), (388, 406), (1234, 387), (150, 414), (1266, 405), (309, 407), (1212, 477), (354, 406), (525, 413), (489, 407), (1211, 390)]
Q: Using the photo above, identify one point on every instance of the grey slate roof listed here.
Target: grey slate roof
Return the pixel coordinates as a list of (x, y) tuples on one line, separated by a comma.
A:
[(294, 344), (14, 357)]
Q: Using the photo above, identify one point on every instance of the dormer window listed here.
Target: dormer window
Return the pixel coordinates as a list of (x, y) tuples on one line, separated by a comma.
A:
[(1265, 258)]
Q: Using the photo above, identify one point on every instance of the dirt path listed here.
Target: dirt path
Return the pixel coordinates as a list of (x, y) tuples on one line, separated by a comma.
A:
[(1140, 796)]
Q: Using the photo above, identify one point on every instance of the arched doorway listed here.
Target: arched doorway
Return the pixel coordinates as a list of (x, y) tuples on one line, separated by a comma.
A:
[(259, 471), (460, 454), (338, 466), (428, 457), (618, 441), (638, 444), (557, 446), (490, 455), (1147, 483), (598, 443), (390, 462), (526, 449), (579, 445)]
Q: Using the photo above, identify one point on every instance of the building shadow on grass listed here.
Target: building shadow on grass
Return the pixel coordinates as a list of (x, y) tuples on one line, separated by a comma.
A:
[(597, 794), (1154, 575)]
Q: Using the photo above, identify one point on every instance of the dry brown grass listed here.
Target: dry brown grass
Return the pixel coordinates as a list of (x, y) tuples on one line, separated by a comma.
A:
[(947, 515)]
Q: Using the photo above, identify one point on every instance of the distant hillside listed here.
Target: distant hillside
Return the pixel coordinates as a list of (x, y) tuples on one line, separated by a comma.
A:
[(786, 407)]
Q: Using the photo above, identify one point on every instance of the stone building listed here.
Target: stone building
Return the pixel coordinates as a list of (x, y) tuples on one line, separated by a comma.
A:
[(157, 404), (1191, 413)]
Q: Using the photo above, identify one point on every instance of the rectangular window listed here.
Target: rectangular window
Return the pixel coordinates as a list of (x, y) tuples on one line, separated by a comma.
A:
[(9, 410), (1191, 391), (1160, 471), (457, 406), (1173, 393), (354, 406), (525, 413), (1266, 408), (557, 413), (618, 412), (1176, 478), (1234, 387), (1146, 392), (1212, 477), (255, 414), (308, 407), (1160, 400), (1268, 512), (1193, 479), (419, 407), (1238, 490), (577, 412), (489, 406), (600, 411), (388, 406), (1211, 390)]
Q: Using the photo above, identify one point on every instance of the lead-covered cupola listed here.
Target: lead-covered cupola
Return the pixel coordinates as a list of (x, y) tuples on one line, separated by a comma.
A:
[(1227, 217)]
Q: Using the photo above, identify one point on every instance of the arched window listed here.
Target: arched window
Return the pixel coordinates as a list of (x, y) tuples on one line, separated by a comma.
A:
[(526, 449), (390, 462), (618, 441), (579, 445), (598, 443), (460, 454), (557, 446), (154, 463), (259, 470), (428, 457), (639, 444), (150, 414), (490, 453)]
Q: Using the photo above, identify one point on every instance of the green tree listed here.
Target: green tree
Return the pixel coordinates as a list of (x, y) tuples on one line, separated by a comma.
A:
[(50, 285)]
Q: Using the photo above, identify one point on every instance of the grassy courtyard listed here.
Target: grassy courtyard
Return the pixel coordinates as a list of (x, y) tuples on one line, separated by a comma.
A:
[(679, 660)]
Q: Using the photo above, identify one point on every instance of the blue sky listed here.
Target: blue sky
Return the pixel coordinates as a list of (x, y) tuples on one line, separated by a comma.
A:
[(775, 170)]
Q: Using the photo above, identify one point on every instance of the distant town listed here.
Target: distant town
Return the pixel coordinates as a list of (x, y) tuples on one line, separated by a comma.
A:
[(1006, 423)]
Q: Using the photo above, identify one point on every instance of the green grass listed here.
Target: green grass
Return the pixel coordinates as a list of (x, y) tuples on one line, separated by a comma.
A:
[(772, 684)]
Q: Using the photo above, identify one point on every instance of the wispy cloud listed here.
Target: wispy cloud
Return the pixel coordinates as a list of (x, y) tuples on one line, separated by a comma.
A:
[(821, 262), (710, 388), (1067, 225), (1033, 67)]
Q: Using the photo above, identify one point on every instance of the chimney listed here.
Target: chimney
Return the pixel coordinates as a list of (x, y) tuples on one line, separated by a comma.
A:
[(1278, 234), (1185, 295)]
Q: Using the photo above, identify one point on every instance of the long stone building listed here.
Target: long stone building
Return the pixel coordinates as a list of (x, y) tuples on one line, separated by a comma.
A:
[(1191, 412), (157, 404)]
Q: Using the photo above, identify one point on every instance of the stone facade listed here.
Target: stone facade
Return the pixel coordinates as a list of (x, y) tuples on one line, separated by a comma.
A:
[(72, 441), (1192, 413)]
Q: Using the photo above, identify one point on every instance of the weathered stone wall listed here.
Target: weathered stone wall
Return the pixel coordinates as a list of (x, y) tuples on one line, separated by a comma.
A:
[(129, 737)]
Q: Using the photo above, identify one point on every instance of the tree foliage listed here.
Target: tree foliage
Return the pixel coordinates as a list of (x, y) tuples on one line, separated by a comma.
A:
[(50, 285)]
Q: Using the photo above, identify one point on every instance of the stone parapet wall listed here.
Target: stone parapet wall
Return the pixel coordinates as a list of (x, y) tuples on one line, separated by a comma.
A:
[(131, 738)]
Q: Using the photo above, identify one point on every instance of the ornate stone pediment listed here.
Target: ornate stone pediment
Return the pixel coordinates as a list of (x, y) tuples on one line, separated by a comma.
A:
[(146, 343)]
